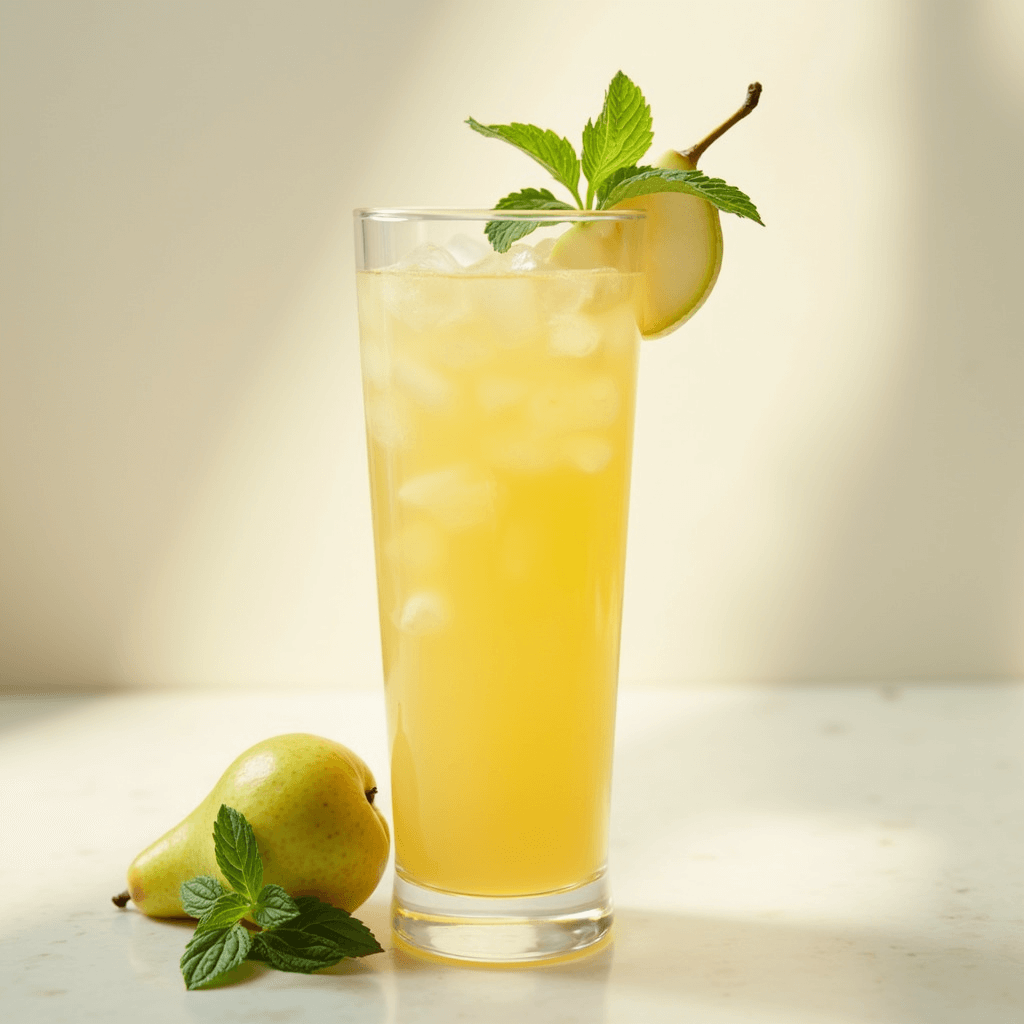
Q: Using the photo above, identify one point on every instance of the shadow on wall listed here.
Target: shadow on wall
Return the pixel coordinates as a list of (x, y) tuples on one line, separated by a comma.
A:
[(177, 174), (910, 538)]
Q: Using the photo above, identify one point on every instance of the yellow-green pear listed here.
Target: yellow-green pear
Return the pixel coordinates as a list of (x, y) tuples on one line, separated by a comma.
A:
[(310, 802)]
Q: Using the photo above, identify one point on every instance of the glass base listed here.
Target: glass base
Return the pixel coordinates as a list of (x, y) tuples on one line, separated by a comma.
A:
[(502, 929)]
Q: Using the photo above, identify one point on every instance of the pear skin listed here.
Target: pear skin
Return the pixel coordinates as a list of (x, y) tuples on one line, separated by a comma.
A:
[(310, 802)]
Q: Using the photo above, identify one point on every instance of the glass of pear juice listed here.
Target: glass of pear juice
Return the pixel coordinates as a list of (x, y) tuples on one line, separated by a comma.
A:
[(499, 395)]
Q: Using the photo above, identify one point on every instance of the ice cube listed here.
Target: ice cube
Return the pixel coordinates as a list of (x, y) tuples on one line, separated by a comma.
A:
[(429, 258), (511, 309), (574, 335), (567, 292), (458, 497), (372, 317), (519, 259), (423, 612), (417, 547), (388, 422), (468, 346), (376, 361), (494, 264), (605, 291), (498, 393), (467, 251), (522, 451), (588, 452), (575, 406), (423, 384), (618, 327), (522, 258), (542, 250), (423, 300)]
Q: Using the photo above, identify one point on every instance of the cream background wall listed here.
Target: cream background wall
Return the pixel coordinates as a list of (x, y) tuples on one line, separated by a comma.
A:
[(829, 471)]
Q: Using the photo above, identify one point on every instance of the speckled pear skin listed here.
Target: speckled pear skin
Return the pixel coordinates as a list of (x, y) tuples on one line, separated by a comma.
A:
[(309, 801)]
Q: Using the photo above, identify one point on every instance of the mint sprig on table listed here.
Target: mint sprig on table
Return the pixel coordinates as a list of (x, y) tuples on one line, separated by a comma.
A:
[(301, 935), (613, 145)]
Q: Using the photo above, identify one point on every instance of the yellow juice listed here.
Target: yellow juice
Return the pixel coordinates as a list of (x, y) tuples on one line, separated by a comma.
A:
[(499, 421)]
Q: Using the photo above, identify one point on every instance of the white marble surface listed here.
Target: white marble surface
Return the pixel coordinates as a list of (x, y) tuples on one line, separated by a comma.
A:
[(836, 855)]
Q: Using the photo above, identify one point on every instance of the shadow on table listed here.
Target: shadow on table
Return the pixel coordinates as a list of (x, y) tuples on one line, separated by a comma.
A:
[(770, 971), (574, 991)]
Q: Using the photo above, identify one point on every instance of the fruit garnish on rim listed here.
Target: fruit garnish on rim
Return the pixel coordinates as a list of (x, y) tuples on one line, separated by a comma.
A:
[(681, 252)]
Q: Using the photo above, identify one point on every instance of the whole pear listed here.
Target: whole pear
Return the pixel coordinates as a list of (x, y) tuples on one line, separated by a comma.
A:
[(310, 802)]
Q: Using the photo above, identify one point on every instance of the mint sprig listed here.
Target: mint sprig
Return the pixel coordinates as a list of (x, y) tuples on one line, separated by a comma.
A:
[(303, 934), (613, 145)]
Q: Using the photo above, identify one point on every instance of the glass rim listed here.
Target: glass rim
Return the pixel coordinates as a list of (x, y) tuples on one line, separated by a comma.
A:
[(394, 214)]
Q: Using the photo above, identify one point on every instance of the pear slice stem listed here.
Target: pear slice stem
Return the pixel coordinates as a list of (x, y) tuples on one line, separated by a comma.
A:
[(694, 153), (121, 899)]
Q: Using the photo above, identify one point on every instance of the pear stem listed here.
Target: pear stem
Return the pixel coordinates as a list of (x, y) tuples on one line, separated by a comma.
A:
[(694, 153), (121, 899)]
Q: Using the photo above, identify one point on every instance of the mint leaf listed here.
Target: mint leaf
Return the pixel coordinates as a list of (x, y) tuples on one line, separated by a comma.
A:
[(286, 949), (318, 937), (274, 907), (229, 908), (714, 190), (615, 178), (502, 233), (210, 953), (330, 922), (621, 134), (531, 199), (237, 854), (553, 152), (199, 894)]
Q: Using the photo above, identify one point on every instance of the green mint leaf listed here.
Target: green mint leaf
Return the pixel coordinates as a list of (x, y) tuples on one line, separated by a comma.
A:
[(318, 937), (615, 178), (237, 854), (229, 908), (330, 922), (286, 949), (619, 137), (553, 152), (256, 950), (210, 953), (714, 190), (531, 199), (502, 233), (274, 907), (199, 894)]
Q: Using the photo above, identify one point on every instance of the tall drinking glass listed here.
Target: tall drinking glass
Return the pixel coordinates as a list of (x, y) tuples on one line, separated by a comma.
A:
[(499, 394)]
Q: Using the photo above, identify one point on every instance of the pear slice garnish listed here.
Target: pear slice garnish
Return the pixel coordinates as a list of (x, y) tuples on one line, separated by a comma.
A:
[(681, 252)]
